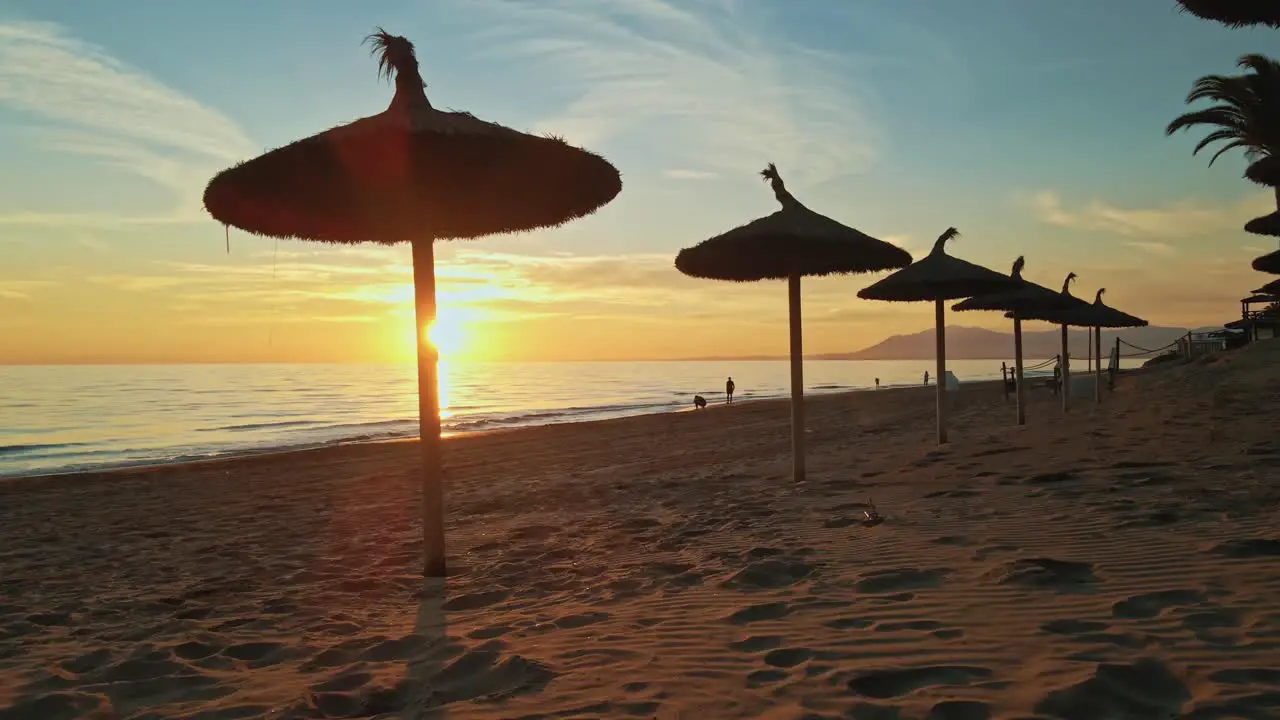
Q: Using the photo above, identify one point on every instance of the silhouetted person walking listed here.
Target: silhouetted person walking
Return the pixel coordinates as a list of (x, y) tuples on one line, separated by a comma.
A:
[(877, 383), (926, 377), (728, 390)]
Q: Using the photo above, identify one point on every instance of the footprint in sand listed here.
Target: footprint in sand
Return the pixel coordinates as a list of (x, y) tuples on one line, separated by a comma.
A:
[(960, 710), (883, 684), (1248, 548), (756, 643), (773, 572), (1044, 573), (1149, 605), (761, 612), (343, 682), (1144, 689), (900, 580), (765, 677), (849, 623), (787, 657), (475, 601)]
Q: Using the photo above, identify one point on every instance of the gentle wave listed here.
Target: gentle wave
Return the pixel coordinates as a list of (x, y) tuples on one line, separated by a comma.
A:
[(70, 418)]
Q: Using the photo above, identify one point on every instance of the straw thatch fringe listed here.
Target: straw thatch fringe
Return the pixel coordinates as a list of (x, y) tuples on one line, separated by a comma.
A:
[(1271, 288), (411, 172), (1235, 13)]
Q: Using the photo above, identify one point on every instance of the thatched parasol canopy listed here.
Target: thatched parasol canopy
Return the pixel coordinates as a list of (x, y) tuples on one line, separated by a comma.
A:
[(1264, 225), (413, 173), (1235, 13), (1272, 288), (792, 241), (1026, 296), (1269, 263), (939, 277), (1073, 314), (1265, 171)]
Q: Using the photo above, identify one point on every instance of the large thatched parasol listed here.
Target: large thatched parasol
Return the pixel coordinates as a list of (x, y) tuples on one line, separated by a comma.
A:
[(939, 277), (414, 174), (1269, 263), (1016, 302), (1235, 13), (789, 244)]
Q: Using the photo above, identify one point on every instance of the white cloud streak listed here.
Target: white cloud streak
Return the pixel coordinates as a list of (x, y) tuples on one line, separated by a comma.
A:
[(82, 101), (723, 91), (1175, 220)]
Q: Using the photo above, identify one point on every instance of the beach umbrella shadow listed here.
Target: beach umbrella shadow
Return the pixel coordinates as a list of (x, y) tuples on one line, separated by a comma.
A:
[(939, 277), (792, 243), (414, 174)]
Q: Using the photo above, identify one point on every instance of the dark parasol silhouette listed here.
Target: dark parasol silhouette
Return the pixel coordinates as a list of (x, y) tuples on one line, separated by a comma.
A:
[(414, 174), (1235, 13), (1027, 296), (1265, 225), (1271, 288), (792, 243), (1269, 263), (939, 277)]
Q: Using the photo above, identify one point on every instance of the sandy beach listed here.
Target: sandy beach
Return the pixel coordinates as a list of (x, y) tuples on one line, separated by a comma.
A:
[(1117, 563)]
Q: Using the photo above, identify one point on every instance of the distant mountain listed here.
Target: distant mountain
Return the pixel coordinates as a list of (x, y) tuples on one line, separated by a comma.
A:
[(967, 343)]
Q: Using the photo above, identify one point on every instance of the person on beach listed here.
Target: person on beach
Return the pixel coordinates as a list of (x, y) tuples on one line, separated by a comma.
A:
[(926, 377), (877, 383), (728, 391)]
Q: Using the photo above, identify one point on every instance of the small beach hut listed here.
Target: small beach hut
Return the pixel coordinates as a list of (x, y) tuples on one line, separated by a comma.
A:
[(792, 243), (939, 277), (415, 174), (1026, 296), (1235, 13)]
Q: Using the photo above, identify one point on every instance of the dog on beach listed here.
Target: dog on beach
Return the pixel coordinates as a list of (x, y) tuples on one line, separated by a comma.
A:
[(699, 402)]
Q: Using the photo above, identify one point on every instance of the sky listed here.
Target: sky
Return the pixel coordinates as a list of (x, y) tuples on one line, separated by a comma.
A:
[(1035, 127)]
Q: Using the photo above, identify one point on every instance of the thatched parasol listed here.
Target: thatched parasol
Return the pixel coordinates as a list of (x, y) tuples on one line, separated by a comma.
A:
[(1265, 171), (414, 174), (1026, 296), (1271, 288), (1269, 263), (1097, 316), (1264, 225), (791, 243), (1235, 13), (1065, 319), (939, 277)]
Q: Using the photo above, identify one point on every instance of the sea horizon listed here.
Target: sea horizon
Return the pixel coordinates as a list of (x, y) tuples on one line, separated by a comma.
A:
[(73, 418)]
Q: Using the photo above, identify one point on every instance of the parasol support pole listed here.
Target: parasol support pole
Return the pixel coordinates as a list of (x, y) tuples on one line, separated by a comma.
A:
[(939, 312), (1097, 367), (1066, 372), (424, 300), (797, 379), (1017, 369)]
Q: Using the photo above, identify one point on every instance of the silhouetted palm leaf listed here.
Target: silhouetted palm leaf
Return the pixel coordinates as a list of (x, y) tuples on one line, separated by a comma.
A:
[(1246, 113)]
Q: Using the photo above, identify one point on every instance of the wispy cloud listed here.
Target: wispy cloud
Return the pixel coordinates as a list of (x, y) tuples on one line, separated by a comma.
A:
[(1154, 248), (684, 174), (85, 102), (20, 289), (722, 88), (1175, 220)]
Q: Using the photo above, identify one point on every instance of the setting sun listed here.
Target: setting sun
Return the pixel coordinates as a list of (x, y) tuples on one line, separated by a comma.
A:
[(448, 335)]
